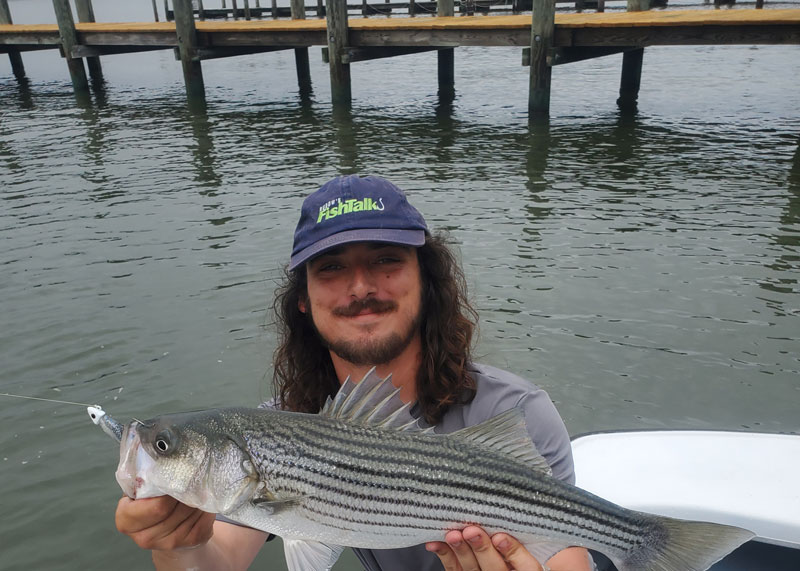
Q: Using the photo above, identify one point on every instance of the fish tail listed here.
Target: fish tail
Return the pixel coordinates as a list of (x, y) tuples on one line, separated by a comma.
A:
[(680, 545)]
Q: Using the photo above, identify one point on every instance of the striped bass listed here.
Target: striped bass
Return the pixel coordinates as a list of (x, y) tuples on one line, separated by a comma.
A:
[(362, 473)]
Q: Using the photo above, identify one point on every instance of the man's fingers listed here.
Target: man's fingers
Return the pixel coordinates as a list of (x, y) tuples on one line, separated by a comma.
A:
[(163, 523), (463, 550), (445, 554), (174, 531), (195, 529), (482, 550), (135, 515), (515, 553)]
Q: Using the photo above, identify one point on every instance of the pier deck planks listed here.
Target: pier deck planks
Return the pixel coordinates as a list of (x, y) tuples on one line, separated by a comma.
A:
[(670, 27)]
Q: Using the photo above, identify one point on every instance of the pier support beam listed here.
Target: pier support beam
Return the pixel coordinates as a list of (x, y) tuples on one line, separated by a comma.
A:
[(542, 31), (69, 39), (300, 54), (631, 78), (446, 56), (187, 48), (86, 14), (337, 41), (13, 55)]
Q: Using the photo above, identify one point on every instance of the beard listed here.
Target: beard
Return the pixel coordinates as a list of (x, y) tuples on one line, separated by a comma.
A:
[(372, 351)]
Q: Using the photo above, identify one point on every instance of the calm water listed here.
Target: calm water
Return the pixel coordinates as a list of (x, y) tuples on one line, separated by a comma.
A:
[(644, 270)]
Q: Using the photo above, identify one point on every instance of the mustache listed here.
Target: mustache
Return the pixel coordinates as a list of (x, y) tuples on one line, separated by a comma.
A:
[(370, 304)]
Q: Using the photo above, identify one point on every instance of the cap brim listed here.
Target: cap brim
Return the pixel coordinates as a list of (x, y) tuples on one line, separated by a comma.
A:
[(414, 238)]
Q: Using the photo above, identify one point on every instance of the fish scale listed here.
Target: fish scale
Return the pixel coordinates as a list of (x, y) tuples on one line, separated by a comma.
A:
[(362, 473)]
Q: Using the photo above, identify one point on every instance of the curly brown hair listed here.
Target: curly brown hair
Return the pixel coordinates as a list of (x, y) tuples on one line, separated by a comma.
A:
[(304, 376)]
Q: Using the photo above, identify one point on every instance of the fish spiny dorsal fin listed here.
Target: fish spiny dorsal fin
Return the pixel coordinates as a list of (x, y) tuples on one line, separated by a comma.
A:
[(372, 402), (506, 433)]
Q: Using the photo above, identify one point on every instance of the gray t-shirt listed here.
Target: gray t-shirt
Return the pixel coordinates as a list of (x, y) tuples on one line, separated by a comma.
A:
[(497, 392)]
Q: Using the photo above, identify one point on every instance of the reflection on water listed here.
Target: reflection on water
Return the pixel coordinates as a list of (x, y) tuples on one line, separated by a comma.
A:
[(643, 269)]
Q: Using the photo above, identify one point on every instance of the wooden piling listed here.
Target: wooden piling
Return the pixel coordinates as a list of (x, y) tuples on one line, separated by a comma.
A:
[(155, 11), (542, 31), (69, 39), (187, 48), (13, 54), (336, 14), (631, 77), (166, 10), (446, 56), (301, 54), (86, 14)]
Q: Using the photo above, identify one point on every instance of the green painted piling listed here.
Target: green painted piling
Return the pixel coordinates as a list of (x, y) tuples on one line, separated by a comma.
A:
[(13, 55), (69, 39), (187, 49), (446, 56), (86, 14), (631, 77), (301, 54), (542, 31), (337, 42)]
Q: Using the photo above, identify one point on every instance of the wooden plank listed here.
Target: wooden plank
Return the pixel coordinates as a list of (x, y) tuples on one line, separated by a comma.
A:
[(90, 51), (563, 56), (337, 26), (69, 39), (163, 39), (570, 30), (680, 36), (14, 58), (301, 61), (86, 14), (631, 77), (353, 55), (622, 20), (187, 46), (446, 58), (222, 52), (541, 38)]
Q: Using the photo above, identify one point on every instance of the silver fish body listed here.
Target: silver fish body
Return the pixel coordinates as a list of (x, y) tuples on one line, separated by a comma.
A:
[(360, 474)]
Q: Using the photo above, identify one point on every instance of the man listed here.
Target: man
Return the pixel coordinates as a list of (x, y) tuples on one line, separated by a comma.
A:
[(369, 285)]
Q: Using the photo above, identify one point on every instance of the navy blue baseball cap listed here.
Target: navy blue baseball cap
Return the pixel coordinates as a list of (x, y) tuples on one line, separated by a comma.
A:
[(355, 209)]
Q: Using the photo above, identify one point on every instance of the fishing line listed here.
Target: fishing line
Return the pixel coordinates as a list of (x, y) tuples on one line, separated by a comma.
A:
[(46, 400)]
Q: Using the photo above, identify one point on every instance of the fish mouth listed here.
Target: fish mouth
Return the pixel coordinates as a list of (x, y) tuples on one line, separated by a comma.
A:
[(134, 465)]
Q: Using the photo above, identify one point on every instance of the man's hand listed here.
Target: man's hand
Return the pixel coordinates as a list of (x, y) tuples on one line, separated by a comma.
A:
[(472, 549), (163, 523)]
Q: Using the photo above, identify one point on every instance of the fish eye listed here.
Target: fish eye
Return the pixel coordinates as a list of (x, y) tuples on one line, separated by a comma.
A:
[(163, 442)]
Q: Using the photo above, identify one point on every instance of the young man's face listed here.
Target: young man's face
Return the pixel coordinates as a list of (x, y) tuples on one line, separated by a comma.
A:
[(365, 300)]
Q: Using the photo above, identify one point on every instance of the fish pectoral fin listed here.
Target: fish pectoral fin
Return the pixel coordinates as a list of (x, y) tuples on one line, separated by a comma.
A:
[(544, 550), (302, 555), (274, 505)]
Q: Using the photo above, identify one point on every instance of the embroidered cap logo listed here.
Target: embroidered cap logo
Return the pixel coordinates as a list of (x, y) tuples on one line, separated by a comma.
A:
[(328, 211)]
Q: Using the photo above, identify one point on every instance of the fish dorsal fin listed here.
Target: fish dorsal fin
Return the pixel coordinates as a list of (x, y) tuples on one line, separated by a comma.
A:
[(507, 433), (371, 402)]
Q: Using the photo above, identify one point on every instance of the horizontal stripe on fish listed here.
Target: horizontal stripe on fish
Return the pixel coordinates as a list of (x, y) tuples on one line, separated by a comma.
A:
[(503, 494)]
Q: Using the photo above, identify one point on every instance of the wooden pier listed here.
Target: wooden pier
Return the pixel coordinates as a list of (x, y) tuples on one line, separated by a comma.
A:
[(545, 38)]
